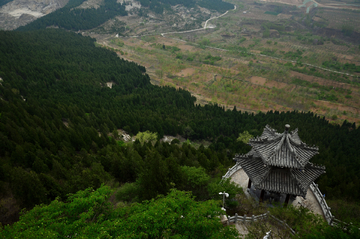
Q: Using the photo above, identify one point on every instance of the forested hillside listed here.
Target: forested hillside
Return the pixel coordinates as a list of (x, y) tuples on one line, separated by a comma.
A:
[(72, 18), (58, 124)]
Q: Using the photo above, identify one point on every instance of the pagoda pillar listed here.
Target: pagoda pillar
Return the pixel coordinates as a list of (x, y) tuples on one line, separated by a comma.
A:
[(262, 194), (287, 200), (249, 184)]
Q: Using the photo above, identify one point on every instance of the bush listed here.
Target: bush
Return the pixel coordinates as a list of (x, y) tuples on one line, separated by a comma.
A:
[(146, 136), (128, 192), (175, 141), (120, 143)]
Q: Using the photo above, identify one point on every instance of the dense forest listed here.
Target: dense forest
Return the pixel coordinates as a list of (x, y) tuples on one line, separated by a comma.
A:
[(58, 124), (72, 18)]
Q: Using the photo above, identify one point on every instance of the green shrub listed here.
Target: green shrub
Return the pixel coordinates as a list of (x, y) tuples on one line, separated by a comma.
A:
[(175, 141), (128, 192), (120, 143), (146, 136)]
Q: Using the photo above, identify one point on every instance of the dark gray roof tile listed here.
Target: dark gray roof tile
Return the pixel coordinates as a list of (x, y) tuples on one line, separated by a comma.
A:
[(280, 162), (283, 150)]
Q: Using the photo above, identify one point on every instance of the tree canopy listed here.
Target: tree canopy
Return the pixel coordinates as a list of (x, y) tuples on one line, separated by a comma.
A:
[(89, 214)]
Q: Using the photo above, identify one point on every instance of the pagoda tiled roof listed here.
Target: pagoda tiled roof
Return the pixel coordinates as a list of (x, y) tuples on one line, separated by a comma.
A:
[(282, 150), (280, 162)]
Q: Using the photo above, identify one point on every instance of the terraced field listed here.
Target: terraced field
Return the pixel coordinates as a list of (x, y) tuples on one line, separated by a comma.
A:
[(261, 61)]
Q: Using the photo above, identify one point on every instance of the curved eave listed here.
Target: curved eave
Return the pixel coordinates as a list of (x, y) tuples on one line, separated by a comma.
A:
[(253, 167)]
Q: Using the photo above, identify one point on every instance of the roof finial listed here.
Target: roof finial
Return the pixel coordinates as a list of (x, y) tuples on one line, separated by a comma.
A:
[(287, 127)]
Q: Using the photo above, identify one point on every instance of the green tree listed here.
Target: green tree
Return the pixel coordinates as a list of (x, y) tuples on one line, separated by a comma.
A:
[(146, 136), (188, 132), (89, 214), (244, 137), (195, 180), (27, 187), (154, 178)]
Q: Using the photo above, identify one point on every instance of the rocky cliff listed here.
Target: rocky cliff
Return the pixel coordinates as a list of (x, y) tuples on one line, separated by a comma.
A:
[(21, 12)]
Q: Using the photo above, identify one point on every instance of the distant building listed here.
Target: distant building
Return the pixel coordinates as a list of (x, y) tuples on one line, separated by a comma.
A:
[(279, 163), (110, 84)]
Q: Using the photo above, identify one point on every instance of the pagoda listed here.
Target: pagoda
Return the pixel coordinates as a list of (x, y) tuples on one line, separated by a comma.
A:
[(279, 163)]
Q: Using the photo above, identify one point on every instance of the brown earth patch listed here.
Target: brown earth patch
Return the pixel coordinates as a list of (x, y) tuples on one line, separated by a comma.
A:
[(337, 106), (345, 57), (258, 80), (186, 72), (187, 48), (276, 84), (321, 81), (284, 16), (317, 19), (301, 75), (208, 77), (219, 68), (173, 42)]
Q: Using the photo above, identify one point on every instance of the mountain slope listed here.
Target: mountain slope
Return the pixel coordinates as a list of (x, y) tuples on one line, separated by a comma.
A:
[(71, 17), (16, 13), (58, 125)]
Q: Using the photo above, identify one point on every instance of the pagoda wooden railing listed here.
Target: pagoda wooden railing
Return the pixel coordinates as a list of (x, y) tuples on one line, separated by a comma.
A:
[(322, 202), (231, 171), (327, 210)]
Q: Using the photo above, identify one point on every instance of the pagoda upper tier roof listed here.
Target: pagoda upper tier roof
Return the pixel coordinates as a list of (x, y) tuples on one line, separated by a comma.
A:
[(282, 150)]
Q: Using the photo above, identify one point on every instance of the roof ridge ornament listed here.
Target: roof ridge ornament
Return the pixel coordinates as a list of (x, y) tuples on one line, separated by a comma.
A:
[(287, 127), (278, 146)]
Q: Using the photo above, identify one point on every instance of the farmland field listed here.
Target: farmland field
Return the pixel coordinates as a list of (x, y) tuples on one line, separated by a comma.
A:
[(251, 59)]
